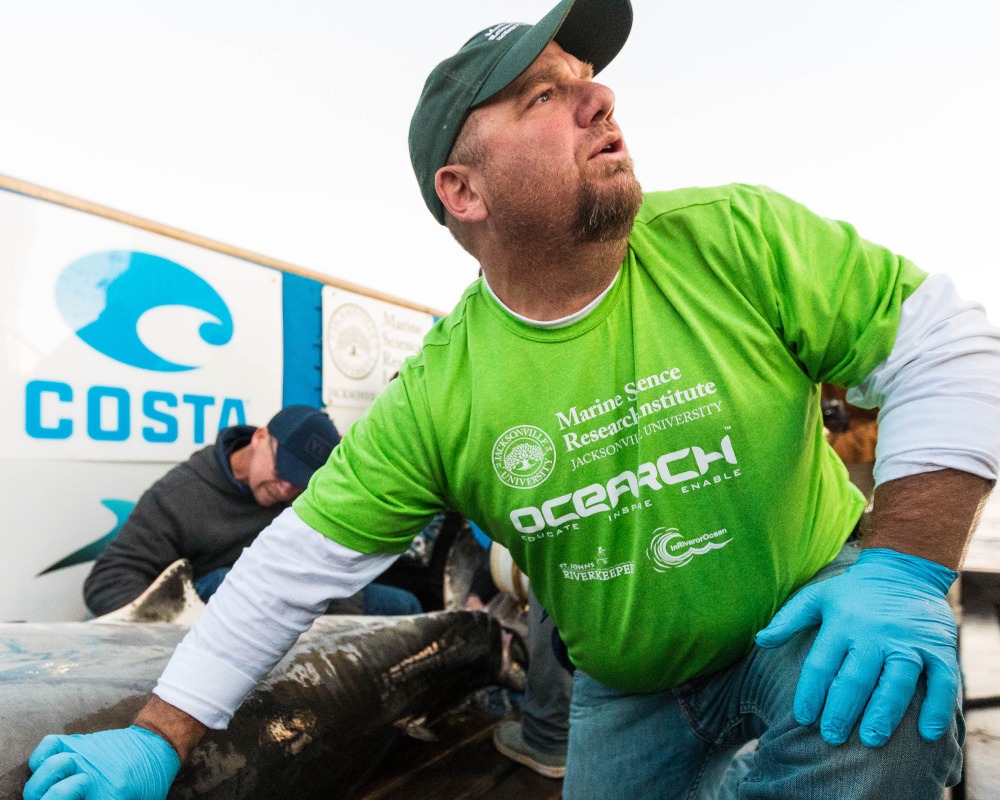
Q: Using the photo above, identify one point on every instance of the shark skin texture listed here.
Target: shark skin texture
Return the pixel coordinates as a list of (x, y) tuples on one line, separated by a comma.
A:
[(316, 727)]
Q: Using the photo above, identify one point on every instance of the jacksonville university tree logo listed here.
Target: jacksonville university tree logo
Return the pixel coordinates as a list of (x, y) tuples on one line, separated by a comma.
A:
[(523, 456)]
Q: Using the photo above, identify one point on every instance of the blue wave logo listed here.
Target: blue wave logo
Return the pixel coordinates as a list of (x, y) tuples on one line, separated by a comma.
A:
[(104, 295)]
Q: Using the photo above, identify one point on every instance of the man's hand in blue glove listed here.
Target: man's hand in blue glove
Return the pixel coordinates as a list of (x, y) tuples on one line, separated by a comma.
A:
[(128, 764), (883, 622)]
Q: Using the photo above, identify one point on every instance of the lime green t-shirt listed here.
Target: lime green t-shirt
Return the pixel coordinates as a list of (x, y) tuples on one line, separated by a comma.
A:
[(658, 468)]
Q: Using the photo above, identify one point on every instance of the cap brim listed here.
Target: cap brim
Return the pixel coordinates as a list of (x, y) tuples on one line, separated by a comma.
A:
[(292, 469), (591, 30)]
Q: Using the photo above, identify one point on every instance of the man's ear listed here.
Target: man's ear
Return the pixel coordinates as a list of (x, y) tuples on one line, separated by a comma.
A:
[(456, 188)]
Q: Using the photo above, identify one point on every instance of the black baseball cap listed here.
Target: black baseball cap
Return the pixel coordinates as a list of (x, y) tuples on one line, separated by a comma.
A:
[(591, 30), (306, 436)]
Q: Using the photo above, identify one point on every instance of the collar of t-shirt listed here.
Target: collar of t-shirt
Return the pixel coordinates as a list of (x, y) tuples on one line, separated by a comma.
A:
[(562, 322)]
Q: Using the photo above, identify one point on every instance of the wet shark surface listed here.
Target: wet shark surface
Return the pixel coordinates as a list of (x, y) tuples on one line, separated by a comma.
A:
[(317, 727)]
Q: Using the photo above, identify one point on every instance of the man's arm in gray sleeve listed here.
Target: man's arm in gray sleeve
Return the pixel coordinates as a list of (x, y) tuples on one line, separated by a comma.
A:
[(148, 543)]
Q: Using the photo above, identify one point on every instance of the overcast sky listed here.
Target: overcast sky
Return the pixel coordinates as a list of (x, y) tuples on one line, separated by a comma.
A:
[(281, 127)]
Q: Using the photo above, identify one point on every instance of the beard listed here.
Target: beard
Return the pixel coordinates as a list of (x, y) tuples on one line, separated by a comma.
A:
[(607, 215), (536, 211)]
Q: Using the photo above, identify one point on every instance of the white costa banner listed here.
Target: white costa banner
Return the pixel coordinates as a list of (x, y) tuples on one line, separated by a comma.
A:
[(365, 342), (120, 344), (59, 517)]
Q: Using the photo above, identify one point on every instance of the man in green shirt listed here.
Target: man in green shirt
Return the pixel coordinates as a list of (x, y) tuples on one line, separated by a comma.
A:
[(628, 399)]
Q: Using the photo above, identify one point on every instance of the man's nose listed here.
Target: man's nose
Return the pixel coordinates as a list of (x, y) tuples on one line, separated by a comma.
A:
[(597, 104)]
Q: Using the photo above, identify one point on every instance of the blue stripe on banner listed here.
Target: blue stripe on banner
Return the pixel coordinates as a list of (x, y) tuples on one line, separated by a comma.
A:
[(302, 313)]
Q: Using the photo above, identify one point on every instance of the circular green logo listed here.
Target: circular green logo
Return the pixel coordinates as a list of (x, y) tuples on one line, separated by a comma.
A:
[(523, 456)]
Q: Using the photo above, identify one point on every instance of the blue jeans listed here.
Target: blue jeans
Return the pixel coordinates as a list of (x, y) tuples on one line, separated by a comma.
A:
[(679, 743), (209, 583), (545, 711), (388, 601)]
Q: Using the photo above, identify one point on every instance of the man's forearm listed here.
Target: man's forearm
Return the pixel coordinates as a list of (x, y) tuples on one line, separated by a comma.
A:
[(179, 729), (931, 515)]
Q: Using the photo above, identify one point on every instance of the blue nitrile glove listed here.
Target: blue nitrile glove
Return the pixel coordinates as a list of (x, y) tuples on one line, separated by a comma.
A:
[(124, 764), (882, 623)]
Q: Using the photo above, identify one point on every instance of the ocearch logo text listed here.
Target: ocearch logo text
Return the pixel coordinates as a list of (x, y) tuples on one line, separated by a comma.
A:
[(686, 464)]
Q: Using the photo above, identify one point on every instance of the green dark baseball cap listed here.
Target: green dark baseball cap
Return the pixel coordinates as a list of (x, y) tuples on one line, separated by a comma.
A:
[(591, 30)]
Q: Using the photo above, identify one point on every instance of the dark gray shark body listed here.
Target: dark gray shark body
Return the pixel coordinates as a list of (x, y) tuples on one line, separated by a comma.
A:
[(316, 727)]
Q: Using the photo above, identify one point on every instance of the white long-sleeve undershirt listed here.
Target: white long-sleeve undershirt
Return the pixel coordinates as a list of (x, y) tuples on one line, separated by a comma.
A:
[(938, 392), (279, 585)]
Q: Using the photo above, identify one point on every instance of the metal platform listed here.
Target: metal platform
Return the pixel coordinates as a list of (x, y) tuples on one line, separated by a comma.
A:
[(460, 764), (979, 649)]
